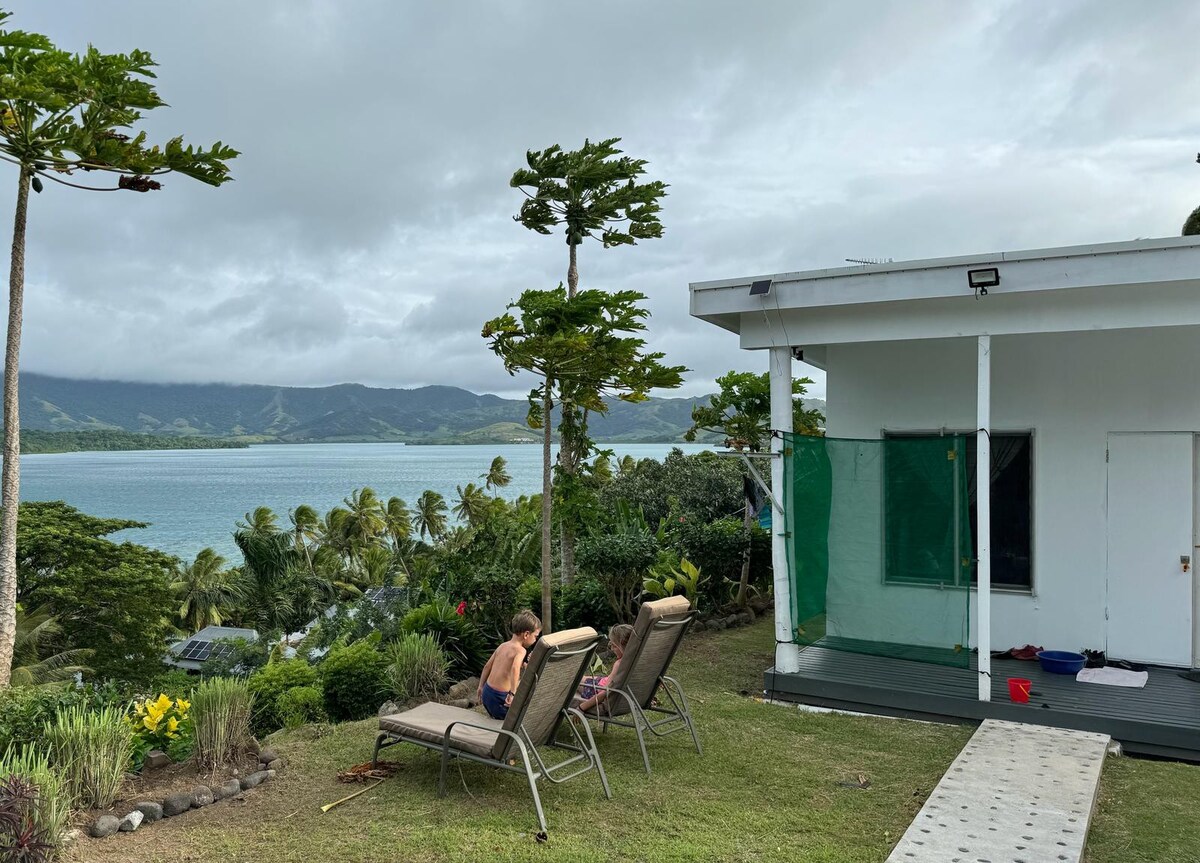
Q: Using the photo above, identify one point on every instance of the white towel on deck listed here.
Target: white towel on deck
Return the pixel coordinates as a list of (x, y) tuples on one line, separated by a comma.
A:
[(1113, 677)]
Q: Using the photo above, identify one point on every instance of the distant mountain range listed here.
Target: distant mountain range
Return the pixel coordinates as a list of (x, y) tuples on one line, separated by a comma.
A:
[(346, 412)]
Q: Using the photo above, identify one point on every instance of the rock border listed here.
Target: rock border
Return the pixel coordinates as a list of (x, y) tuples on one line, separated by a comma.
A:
[(173, 805)]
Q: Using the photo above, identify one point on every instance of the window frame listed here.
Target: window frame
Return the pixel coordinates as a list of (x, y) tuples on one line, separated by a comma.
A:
[(1013, 589)]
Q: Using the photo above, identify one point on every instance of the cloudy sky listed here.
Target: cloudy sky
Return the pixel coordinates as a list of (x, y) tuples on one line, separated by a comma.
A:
[(369, 232)]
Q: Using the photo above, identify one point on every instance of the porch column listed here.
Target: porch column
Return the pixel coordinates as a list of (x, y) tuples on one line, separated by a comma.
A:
[(786, 651), (983, 515)]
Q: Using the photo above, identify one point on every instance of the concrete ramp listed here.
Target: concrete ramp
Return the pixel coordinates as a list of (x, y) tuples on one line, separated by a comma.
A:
[(1017, 793)]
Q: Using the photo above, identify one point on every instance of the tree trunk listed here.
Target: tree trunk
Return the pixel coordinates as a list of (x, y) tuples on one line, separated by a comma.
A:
[(744, 582), (10, 483), (572, 275), (566, 456), (547, 575)]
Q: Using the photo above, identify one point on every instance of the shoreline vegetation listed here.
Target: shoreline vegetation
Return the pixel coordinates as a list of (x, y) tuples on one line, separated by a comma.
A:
[(35, 442), (39, 442)]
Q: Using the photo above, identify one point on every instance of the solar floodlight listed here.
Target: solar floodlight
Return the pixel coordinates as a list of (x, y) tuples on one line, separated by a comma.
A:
[(760, 288)]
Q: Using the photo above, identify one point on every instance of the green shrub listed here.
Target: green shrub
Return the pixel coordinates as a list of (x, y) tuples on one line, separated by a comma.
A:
[(269, 683), (463, 643), (584, 603), (493, 595), (50, 814), (417, 666), (353, 678), (25, 710), (619, 561), (221, 710), (302, 705), (717, 547), (92, 749)]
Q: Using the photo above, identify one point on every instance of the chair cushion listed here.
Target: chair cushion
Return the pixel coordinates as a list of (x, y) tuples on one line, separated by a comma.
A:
[(429, 722)]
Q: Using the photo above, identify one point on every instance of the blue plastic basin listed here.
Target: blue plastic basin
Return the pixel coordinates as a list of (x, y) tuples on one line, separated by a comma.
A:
[(1061, 661)]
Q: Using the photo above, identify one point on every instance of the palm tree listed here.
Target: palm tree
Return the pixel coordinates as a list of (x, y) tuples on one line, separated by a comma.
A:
[(430, 516), (205, 591), (473, 505), (397, 522), (29, 669), (263, 521), (366, 519), (626, 465), (497, 475)]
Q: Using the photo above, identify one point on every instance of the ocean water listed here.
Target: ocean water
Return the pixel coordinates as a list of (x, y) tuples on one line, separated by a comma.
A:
[(193, 498)]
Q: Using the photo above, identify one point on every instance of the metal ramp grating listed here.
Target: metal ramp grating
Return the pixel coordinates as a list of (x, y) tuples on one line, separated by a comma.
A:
[(1016, 793)]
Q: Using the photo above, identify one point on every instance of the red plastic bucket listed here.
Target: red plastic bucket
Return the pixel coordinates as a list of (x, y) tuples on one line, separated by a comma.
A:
[(1018, 689)]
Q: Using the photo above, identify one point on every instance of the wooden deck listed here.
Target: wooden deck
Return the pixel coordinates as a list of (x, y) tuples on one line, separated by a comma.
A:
[(1161, 719)]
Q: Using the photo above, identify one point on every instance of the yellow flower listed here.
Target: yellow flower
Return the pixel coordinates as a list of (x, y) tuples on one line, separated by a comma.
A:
[(182, 705), (172, 724), (151, 723), (163, 703)]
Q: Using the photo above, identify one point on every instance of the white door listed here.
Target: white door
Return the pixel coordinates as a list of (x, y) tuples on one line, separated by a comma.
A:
[(1150, 501)]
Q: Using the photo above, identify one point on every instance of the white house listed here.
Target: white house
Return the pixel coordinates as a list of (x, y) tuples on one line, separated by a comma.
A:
[(1083, 365)]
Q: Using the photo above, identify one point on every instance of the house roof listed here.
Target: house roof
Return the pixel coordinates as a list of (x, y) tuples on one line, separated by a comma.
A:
[(192, 652), (1142, 283)]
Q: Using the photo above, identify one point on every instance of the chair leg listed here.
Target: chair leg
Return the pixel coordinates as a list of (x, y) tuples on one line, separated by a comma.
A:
[(638, 721), (595, 754), (444, 770), (537, 800), (375, 755), (685, 711)]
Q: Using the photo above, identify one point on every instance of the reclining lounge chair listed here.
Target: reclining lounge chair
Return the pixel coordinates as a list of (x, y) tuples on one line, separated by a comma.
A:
[(629, 699), (540, 706)]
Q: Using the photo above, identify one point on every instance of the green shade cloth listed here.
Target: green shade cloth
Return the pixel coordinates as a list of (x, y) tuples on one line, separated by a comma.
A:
[(879, 545)]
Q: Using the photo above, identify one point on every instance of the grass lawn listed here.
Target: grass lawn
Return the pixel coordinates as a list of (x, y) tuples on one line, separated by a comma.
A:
[(766, 788)]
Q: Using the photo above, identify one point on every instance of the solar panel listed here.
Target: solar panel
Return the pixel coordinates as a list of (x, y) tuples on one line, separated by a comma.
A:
[(197, 650), (760, 288)]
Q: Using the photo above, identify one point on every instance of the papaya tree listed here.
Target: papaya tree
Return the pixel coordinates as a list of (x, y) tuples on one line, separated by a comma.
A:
[(594, 192), (589, 346), (741, 411), (68, 119)]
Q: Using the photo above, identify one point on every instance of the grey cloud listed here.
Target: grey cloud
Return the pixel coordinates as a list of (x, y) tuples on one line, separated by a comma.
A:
[(368, 234)]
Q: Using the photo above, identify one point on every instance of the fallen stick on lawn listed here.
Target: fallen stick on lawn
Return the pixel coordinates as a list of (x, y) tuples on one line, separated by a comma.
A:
[(329, 806)]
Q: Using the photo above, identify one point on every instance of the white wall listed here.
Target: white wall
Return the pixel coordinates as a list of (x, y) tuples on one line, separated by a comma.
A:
[(1071, 389)]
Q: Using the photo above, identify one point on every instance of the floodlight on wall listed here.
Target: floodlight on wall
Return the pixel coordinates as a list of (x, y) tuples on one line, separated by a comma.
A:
[(760, 288), (981, 280)]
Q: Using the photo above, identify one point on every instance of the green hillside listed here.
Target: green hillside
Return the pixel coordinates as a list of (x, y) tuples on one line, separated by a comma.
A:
[(34, 441), (346, 412)]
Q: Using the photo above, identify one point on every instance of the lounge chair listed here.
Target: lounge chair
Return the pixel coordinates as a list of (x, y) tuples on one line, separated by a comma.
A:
[(630, 697), (540, 707)]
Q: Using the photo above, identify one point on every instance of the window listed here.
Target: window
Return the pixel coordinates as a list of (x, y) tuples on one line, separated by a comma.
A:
[(918, 539)]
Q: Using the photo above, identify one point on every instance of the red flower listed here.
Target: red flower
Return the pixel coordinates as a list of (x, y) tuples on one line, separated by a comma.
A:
[(462, 608)]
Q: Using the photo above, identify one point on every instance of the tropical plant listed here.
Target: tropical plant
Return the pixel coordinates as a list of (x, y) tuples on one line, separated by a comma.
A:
[(269, 683), (30, 668), (685, 580), (585, 603), (453, 632), (353, 679), (205, 590), (301, 705), (585, 349), (162, 723), (473, 504), (34, 815), (741, 411), (417, 666), (1191, 226), (590, 192), (113, 599), (92, 748), (620, 562), (25, 710), (429, 519), (221, 711), (497, 475), (63, 114)]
